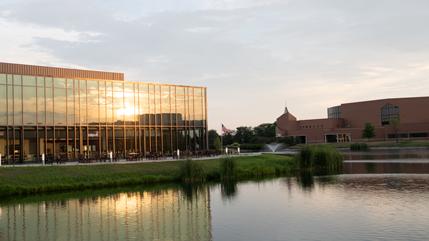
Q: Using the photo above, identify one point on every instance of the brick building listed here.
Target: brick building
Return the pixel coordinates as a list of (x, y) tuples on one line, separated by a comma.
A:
[(405, 118)]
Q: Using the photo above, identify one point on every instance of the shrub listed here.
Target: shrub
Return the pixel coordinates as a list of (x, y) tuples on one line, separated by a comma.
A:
[(191, 171), (319, 158), (359, 147), (252, 147)]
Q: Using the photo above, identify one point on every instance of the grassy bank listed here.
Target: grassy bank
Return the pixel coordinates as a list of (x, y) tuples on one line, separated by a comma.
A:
[(29, 180)]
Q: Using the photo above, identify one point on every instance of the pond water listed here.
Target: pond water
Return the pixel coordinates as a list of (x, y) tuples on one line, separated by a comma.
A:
[(344, 207), (399, 154)]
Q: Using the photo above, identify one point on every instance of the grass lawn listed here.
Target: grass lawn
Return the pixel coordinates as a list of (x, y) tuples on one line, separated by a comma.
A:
[(28, 180)]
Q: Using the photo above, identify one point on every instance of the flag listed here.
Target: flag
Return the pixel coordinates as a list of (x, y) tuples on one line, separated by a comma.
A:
[(226, 130)]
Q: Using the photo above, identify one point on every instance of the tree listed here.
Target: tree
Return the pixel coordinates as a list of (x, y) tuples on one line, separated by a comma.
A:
[(368, 131), (244, 134), (228, 139), (212, 135), (217, 145), (265, 133)]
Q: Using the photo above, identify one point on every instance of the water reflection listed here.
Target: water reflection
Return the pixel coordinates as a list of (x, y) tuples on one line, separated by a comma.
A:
[(377, 167), (228, 189), (305, 180), (306, 207), (388, 153), (155, 215)]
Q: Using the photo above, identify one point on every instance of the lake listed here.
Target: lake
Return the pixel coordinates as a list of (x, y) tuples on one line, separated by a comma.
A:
[(353, 206)]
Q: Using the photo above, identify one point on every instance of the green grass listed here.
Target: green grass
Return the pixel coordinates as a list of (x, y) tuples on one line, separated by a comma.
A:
[(29, 180)]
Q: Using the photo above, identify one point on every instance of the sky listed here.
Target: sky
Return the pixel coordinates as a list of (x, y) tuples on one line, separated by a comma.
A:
[(254, 56)]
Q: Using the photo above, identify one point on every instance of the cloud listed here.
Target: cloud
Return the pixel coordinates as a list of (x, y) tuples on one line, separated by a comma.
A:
[(252, 55)]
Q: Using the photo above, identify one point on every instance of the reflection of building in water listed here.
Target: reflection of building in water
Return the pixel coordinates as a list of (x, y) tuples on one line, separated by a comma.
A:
[(166, 215)]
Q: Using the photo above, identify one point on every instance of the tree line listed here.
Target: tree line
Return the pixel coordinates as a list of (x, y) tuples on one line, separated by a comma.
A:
[(245, 136)]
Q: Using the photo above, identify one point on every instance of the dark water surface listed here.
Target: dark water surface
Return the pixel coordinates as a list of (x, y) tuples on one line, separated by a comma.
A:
[(404, 153), (343, 207)]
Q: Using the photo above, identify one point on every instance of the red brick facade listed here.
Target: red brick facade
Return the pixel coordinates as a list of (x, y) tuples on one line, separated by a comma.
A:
[(405, 118)]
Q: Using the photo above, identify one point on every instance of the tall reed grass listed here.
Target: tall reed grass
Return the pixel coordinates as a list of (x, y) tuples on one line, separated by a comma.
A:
[(192, 172), (228, 168), (319, 158)]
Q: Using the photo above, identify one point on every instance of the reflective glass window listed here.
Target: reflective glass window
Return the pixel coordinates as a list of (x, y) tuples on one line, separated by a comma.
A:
[(41, 105), (3, 106), (118, 87), (28, 80), (49, 106), (70, 83), (109, 106), (48, 82), (157, 105), (82, 106), (2, 79), (70, 106), (9, 79), (40, 81), (128, 87), (180, 90), (17, 80), (59, 83), (389, 114), (180, 109), (118, 105), (92, 84), (128, 110), (29, 105), (17, 105), (76, 105), (82, 84), (10, 104), (60, 106), (197, 91)]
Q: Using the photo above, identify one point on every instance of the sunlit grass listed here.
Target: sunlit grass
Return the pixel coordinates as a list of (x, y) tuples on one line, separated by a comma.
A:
[(28, 180)]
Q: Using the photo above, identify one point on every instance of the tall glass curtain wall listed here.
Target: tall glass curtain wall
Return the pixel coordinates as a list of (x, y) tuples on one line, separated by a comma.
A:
[(71, 119)]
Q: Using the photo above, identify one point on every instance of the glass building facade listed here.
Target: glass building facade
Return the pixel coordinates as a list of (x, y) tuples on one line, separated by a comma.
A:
[(73, 118)]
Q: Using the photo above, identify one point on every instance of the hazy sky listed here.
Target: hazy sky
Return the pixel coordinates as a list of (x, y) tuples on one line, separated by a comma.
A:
[(252, 55)]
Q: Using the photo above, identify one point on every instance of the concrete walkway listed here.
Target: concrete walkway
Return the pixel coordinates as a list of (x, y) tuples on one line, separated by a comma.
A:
[(123, 161)]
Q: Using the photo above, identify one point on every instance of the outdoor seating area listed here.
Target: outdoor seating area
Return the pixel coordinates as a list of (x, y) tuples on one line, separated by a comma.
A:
[(62, 158)]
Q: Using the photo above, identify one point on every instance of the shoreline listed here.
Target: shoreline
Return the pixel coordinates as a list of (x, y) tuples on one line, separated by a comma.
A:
[(59, 178)]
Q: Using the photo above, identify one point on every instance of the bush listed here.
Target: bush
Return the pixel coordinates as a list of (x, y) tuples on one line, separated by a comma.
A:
[(252, 147), (191, 172), (228, 168), (319, 158), (359, 147)]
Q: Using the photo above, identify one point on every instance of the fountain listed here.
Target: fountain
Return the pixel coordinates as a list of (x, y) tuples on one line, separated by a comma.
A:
[(273, 147)]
